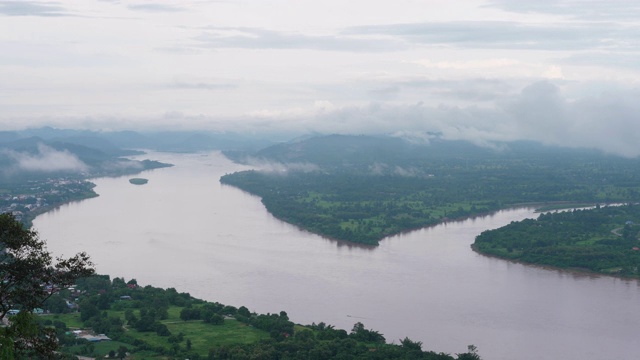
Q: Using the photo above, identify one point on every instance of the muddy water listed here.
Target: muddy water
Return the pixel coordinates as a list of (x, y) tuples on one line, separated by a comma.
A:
[(185, 230)]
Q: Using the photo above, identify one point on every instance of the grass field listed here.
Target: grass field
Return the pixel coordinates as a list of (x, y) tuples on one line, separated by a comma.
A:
[(203, 336)]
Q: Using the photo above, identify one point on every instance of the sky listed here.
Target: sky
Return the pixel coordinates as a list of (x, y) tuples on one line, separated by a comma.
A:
[(563, 72)]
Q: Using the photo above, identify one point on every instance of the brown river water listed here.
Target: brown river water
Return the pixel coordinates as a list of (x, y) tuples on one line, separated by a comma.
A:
[(185, 230)]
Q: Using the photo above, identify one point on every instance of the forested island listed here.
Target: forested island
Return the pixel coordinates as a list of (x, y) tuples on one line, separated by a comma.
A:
[(138, 181), (362, 188), (601, 240)]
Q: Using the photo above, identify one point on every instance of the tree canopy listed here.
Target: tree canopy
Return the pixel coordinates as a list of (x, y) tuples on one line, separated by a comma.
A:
[(29, 276), (603, 240)]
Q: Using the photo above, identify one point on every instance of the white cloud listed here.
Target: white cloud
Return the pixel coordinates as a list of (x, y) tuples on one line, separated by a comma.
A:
[(493, 68), (47, 159), (280, 168), (361, 66)]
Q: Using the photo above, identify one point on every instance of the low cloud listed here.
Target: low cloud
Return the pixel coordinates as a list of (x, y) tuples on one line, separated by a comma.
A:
[(407, 172), (384, 169), (539, 112), (554, 112), (46, 160), (272, 167)]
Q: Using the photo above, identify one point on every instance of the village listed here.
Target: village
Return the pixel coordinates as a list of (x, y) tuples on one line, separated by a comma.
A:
[(33, 197)]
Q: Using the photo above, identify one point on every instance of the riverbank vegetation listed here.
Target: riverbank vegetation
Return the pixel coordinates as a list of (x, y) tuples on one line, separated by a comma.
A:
[(602, 240), (153, 323), (362, 189)]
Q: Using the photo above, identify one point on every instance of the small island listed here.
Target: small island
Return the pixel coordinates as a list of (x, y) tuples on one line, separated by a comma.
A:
[(138, 181)]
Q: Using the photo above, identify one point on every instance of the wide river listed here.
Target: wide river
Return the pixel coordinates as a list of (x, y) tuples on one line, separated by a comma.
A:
[(185, 230)]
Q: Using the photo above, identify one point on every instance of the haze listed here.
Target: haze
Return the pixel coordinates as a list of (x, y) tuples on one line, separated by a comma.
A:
[(560, 72)]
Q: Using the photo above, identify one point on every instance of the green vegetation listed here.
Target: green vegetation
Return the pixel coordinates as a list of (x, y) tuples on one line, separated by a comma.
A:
[(359, 208), (152, 323), (362, 189), (602, 240), (138, 181)]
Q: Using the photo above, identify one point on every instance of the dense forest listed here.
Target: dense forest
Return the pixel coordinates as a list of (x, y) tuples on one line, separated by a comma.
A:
[(362, 189), (603, 240)]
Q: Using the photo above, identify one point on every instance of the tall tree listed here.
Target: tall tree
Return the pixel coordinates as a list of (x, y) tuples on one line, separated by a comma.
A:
[(29, 276)]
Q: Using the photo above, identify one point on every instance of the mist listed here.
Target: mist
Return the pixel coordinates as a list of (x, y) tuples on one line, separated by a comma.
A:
[(46, 160)]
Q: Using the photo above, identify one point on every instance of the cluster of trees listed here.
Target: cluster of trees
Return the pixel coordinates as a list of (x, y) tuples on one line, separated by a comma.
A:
[(321, 341), (144, 307), (603, 239)]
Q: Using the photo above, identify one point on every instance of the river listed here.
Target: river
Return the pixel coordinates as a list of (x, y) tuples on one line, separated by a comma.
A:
[(186, 230)]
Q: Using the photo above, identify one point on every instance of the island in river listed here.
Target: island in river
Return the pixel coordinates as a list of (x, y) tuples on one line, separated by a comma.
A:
[(602, 240), (138, 181)]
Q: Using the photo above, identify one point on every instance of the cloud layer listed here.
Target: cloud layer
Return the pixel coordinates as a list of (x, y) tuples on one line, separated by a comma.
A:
[(559, 71), (46, 160)]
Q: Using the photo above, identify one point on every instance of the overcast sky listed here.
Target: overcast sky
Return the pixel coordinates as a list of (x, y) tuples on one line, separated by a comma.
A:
[(558, 71)]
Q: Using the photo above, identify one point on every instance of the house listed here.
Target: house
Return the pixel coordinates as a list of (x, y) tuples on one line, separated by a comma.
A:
[(90, 336)]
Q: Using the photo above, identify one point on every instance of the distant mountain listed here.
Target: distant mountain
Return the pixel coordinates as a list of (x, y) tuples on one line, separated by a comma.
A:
[(125, 143), (361, 152), (77, 156), (97, 143)]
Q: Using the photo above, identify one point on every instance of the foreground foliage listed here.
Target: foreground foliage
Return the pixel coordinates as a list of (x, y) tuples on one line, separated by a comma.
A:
[(603, 240), (28, 277)]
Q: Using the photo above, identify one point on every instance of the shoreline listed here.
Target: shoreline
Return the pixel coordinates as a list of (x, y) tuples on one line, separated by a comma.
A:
[(575, 271), (28, 220)]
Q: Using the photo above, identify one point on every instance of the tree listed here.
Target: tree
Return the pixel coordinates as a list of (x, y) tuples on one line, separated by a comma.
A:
[(410, 344), (472, 354), (122, 352), (28, 277)]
